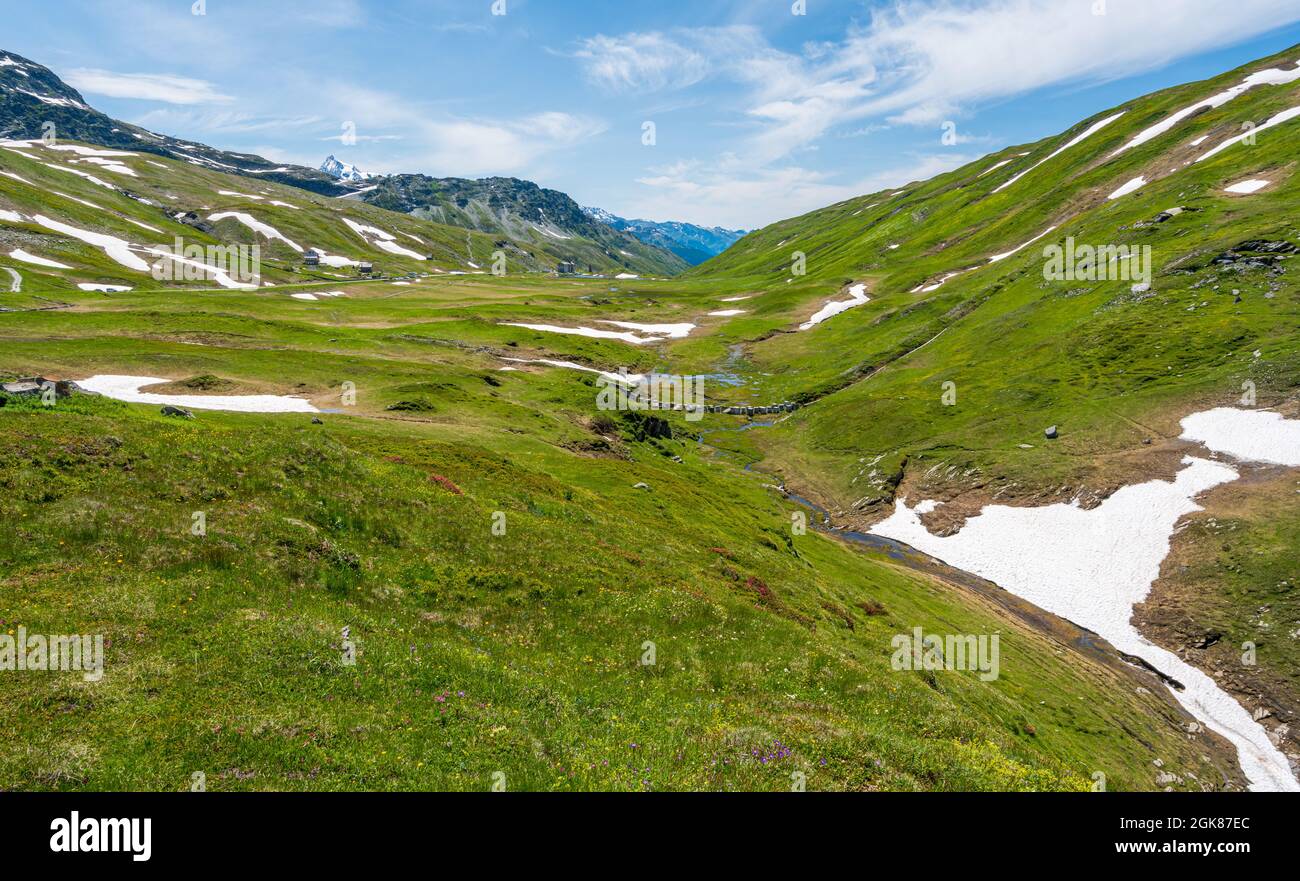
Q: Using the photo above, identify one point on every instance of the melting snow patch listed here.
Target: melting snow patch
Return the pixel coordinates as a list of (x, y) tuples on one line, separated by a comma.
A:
[(857, 297), (1092, 130), (127, 388), (1246, 186), (1092, 567), (1277, 119), (104, 288), (1255, 435), (672, 331), (36, 261), (1132, 186), (1272, 77), (257, 226), (117, 249), (383, 240), (10, 216), (996, 257), (628, 378), (727, 313), (303, 296)]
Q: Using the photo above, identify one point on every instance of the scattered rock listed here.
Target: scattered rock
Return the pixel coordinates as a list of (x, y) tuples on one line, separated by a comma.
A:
[(169, 410), (1052, 433), (316, 420), (644, 486)]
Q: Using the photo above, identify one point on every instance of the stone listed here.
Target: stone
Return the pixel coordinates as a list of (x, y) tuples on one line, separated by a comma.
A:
[(1052, 433), (169, 410), (644, 486)]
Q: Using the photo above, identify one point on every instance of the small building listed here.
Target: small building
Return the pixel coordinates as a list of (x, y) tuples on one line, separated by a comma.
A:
[(567, 267), (311, 258), (365, 268)]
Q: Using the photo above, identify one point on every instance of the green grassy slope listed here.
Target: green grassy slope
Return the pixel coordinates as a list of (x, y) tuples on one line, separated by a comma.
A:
[(225, 652), (37, 180), (477, 652)]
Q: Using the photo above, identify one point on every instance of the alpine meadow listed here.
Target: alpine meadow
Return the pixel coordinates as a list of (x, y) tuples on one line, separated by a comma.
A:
[(915, 405)]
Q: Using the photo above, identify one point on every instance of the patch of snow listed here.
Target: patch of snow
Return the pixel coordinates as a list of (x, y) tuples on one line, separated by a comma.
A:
[(90, 151), (1132, 186), (626, 275), (256, 226), (104, 288), (627, 379), (80, 173), (116, 249), (1091, 130), (303, 296), (1276, 119), (127, 388), (1091, 567), (218, 275), (993, 168), (857, 297), (672, 331), (373, 235), (1247, 186), (239, 195), (996, 257), (1272, 77), (10, 216), (1254, 435), (36, 261), (727, 313)]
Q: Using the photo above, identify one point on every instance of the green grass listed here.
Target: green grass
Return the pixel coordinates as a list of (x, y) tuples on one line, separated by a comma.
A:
[(519, 653)]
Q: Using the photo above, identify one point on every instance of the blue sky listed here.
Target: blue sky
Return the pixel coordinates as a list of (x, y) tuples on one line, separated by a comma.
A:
[(759, 113)]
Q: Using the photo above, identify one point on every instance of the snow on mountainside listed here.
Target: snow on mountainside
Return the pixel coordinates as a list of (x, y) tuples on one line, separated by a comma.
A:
[(36, 103), (340, 170), (546, 226)]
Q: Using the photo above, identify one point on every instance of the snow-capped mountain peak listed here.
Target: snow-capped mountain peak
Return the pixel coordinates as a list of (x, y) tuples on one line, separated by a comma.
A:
[(342, 170)]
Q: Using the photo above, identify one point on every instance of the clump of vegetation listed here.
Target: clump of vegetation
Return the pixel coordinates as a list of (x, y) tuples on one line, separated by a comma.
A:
[(414, 405)]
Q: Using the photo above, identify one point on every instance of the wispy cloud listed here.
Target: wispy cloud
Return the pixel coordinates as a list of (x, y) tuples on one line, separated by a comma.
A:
[(922, 62), (145, 86), (641, 62), (939, 58), (730, 195)]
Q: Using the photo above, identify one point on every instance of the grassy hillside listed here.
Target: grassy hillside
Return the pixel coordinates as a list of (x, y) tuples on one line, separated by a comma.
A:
[(520, 652), (141, 206), (478, 652)]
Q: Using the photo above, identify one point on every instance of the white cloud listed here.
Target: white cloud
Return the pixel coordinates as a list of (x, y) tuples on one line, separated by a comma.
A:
[(728, 194), (641, 62), (172, 120), (476, 147), (922, 62), (145, 86), (939, 58)]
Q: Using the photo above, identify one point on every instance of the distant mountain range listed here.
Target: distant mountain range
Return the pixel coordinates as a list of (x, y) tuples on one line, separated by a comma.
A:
[(544, 226), (694, 244)]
